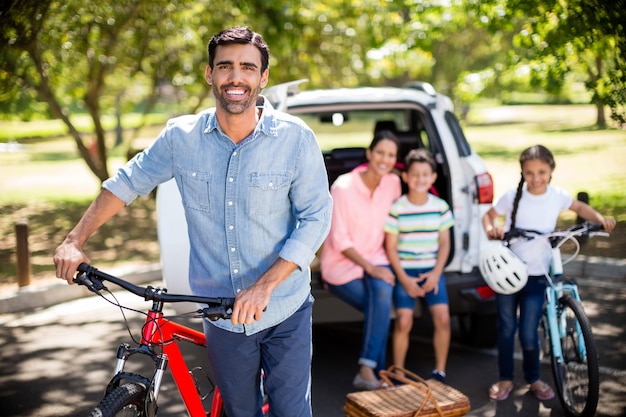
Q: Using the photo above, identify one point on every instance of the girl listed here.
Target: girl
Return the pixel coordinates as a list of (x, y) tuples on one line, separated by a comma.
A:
[(535, 205), (354, 265)]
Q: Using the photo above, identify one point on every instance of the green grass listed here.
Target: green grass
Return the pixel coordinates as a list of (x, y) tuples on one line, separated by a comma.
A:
[(16, 130), (47, 182), (587, 159)]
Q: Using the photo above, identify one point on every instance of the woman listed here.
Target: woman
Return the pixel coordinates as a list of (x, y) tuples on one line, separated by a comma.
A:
[(353, 261)]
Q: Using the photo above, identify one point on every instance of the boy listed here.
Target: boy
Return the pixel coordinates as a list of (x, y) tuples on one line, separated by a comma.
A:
[(417, 241)]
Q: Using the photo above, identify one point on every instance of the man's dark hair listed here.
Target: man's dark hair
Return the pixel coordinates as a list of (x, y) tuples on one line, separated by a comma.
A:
[(240, 35)]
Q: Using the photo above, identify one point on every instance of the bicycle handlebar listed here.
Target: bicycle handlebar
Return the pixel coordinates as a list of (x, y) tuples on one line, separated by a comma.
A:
[(583, 229), (92, 278)]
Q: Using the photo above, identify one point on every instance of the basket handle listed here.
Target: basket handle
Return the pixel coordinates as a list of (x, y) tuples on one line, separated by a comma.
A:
[(407, 377)]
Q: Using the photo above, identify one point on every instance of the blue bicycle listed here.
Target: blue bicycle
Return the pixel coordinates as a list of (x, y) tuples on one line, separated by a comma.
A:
[(567, 335)]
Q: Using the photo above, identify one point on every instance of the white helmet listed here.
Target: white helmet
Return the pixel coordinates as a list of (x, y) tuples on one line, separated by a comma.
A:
[(503, 271)]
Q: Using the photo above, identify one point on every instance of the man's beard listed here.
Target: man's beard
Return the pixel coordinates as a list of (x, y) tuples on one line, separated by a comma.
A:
[(239, 106)]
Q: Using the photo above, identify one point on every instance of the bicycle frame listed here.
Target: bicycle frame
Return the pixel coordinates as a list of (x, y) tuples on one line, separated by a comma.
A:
[(554, 291), (159, 331), (165, 334), (573, 355)]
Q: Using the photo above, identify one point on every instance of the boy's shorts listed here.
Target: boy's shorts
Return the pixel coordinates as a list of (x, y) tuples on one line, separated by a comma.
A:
[(401, 299)]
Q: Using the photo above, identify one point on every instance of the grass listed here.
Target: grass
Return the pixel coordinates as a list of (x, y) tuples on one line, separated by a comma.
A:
[(18, 130), (587, 159), (47, 183)]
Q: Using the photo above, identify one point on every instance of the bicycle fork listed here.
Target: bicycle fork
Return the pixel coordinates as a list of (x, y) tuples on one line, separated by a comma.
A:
[(153, 386), (557, 321)]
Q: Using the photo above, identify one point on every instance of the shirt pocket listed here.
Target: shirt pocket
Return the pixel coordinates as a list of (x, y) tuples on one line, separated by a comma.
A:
[(196, 190), (269, 192)]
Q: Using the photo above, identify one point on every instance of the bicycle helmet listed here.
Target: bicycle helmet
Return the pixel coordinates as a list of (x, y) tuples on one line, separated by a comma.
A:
[(502, 270)]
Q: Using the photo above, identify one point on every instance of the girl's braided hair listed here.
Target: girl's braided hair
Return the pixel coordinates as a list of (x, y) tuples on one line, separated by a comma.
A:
[(534, 152)]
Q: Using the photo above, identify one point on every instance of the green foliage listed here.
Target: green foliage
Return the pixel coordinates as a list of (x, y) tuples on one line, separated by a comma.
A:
[(62, 57), (555, 38)]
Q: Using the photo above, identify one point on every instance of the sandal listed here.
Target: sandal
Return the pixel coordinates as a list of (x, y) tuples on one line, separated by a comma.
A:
[(541, 390), (500, 390)]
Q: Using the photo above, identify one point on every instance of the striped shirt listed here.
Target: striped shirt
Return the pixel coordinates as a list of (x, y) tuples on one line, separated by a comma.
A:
[(418, 230)]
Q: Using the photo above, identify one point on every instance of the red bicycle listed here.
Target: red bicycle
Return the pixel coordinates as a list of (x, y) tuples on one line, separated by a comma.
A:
[(131, 394)]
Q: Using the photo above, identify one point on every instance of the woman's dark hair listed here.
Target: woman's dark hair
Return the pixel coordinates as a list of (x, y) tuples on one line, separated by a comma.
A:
[(239, 35), (382, 135), (534, 152), (421, 155)]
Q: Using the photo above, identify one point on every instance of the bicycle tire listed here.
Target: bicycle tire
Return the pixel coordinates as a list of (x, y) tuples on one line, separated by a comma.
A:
[(577, 379), (126, 400)]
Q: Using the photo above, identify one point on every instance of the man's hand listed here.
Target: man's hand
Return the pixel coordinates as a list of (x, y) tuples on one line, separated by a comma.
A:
[(250, 304), (252, 301), (67, 257), (70, 253)]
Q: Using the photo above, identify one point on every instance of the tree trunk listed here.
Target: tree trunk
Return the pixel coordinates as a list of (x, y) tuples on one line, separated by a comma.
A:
[(601, 118)]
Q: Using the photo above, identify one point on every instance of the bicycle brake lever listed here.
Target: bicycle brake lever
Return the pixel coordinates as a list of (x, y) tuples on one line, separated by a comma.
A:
[(94, 286), (214, 313)]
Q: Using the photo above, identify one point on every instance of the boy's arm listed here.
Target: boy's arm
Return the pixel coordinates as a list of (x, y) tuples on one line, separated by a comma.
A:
[(70, 253), (410, 285), (443, 252), (432, 277)]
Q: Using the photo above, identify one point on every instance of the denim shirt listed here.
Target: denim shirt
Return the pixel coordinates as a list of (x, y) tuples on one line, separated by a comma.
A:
[(246, 204)]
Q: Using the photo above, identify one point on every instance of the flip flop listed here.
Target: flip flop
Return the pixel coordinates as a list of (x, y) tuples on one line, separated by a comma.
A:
[(541, 390), (495, 393)]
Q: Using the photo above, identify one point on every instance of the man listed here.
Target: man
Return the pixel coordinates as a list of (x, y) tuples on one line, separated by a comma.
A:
[(255, 193)]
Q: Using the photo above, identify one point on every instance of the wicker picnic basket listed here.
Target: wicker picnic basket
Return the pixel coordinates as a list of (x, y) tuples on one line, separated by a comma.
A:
[(413, 397)]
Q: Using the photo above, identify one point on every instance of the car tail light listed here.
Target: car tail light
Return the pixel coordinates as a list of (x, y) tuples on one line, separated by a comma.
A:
[(485, 292), (484, 185)]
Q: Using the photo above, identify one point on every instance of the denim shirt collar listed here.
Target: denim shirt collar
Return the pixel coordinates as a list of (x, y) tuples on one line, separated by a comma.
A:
[(267, 123)]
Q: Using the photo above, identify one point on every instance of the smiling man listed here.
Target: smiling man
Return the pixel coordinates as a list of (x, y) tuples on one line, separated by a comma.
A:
[(255, 193)]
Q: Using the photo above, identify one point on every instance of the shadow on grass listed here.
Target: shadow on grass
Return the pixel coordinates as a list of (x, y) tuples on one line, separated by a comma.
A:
[(129, 236), (496, 151), (53, 156)]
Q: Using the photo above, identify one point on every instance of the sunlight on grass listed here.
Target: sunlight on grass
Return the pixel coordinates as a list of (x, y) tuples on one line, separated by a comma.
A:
[(587, 160), (15, 130), (48, 171)]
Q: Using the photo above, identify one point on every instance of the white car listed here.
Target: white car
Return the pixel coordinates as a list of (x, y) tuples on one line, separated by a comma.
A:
[(344, 121)]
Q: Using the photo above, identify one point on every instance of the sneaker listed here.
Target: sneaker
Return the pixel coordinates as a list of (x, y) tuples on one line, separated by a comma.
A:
[(438, 376)]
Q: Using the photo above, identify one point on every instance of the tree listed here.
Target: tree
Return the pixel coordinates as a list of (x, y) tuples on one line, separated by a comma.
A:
[(558, 37), (94, 55)]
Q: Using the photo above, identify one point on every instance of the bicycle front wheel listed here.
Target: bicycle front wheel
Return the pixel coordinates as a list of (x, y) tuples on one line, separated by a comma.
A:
[(576, 373), (126, 400)]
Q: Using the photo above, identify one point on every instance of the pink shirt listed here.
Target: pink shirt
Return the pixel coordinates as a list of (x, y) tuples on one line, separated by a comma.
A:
[(358, 222)]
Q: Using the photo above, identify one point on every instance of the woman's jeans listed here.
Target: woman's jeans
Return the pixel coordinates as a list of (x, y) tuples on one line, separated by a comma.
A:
[(530, 302), (371, 296)]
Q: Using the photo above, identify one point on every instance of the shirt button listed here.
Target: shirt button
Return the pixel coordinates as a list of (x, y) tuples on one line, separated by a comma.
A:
[(271, 184), (235, 153), (235, 271), (231, 227), (193, 174), (230, 203), (232, 249), (231, 179)]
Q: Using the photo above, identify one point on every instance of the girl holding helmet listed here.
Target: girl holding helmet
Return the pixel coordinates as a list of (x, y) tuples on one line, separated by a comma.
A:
[(534, 205)]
